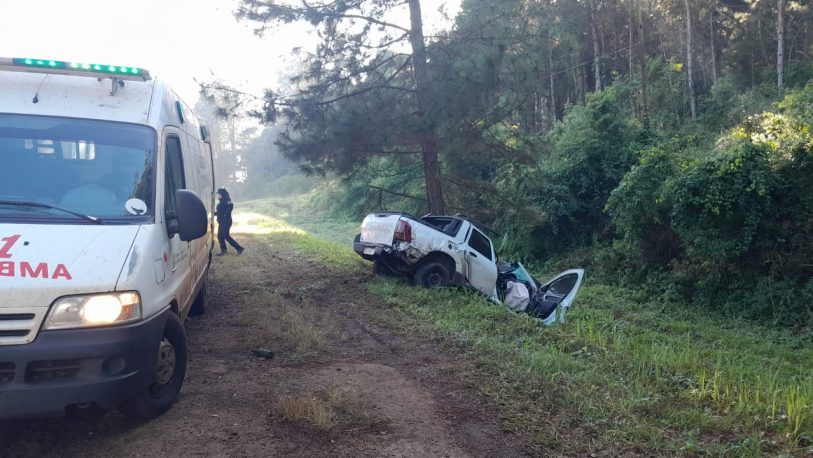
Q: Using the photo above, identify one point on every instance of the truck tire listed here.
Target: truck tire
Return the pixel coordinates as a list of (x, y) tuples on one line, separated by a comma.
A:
[(168, 375), (432, 275), (199, 304)]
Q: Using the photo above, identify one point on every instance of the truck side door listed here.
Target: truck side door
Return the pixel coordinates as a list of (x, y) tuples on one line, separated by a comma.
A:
[(178, 256), (482, 267)]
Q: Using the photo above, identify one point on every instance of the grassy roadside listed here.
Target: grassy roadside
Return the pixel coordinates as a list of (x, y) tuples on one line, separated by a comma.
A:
[(623, 374)]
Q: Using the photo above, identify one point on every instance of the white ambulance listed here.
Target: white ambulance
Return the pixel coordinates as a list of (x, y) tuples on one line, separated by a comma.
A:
[(105, 239)]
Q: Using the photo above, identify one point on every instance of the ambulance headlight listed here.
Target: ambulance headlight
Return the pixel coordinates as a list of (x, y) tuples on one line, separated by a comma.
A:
[(94, 310)]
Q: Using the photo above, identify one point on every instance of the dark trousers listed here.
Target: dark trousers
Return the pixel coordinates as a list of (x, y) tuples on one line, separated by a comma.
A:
[(223, 236)]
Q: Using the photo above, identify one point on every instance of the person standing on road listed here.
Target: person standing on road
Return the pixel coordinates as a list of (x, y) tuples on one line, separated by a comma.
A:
[(223, 213)]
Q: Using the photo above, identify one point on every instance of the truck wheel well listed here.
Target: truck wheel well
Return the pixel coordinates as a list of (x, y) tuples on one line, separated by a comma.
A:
[(437, 256)]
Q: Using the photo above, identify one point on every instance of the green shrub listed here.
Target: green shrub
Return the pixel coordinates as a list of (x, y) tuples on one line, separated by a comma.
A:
[(722, 205)]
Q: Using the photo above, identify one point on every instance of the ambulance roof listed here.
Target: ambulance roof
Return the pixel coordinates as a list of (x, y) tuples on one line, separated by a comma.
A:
[(149, 102)]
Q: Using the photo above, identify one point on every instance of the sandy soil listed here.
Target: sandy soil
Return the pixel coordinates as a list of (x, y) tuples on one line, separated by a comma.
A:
[(413, 403)]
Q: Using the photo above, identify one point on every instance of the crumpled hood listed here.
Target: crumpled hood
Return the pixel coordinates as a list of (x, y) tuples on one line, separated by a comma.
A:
[(41, 262)]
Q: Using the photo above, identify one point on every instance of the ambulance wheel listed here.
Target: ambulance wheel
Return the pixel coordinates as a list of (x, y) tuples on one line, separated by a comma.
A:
[(167, 378), (199, 304), (432, 275)]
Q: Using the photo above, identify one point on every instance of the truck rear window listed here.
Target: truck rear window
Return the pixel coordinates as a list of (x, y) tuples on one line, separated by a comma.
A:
[(447, 225)]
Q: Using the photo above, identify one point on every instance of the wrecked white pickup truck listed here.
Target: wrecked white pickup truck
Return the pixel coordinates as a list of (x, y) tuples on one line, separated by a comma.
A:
[(440, 251)]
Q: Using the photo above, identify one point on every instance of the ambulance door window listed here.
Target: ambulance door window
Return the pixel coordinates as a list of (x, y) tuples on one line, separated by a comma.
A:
[(174, 179)]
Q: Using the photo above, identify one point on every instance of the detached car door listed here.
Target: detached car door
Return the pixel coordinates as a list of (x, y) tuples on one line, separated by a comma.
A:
[(555, 295), (482, 268)]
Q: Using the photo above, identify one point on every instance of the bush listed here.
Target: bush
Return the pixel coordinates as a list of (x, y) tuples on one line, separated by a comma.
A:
[(721, 205), (733, 225), (641, 204)]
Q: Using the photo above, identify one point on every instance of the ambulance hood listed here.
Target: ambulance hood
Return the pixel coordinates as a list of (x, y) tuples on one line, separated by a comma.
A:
[(41, 262)]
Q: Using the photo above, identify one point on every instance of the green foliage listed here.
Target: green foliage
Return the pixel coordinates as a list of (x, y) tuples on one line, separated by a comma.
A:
[(590, 151), (720, 205), (728, 105), (640, 206), (729, 225)]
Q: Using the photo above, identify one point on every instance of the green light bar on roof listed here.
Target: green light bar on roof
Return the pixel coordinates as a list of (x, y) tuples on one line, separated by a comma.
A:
[(123, 72)]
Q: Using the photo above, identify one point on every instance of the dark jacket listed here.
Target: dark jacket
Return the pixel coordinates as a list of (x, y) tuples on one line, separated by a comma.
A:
[(223, 212)]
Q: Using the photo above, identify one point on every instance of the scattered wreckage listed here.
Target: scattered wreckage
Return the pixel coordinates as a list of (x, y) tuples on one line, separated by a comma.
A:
[(440, 251)]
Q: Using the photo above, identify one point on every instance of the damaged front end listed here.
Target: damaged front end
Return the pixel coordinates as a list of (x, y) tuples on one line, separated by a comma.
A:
[(522, 293)]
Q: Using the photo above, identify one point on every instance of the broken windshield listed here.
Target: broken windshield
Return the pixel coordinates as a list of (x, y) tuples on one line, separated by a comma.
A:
[(97, 168)]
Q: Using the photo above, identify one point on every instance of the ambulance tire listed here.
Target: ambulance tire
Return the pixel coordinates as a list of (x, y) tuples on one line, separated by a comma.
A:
[(199, 304), (161, 394)]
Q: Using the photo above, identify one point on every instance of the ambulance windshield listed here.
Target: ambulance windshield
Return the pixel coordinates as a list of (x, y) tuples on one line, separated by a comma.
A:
[(98, 168)]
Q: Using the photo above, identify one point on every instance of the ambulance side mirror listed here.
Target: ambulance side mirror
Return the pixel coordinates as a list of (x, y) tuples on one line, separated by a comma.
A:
[(191, 215)]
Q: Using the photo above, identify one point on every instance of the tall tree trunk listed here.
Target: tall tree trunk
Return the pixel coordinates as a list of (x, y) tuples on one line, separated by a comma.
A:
[(596, 48), (689, 60), (585, 86), (713, 50), (631, 51), (765, 52), (429, 143), (552, 86), (780, 44), (642, 58)]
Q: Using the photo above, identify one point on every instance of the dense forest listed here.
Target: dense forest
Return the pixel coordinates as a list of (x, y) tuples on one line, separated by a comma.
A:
[(664, 144)]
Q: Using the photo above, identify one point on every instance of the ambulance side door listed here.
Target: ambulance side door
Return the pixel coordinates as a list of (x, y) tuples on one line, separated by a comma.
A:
[(199, 179)]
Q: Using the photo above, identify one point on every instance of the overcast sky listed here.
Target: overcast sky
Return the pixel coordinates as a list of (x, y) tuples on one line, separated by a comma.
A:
[(177, 40)]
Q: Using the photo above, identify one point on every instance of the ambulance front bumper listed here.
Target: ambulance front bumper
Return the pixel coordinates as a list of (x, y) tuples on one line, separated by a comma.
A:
[(80, 366)]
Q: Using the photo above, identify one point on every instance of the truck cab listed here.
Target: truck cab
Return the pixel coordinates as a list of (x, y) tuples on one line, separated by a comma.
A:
[(106, 197)]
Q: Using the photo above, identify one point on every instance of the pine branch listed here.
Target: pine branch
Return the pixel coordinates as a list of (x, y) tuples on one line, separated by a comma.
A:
[(377, 188)]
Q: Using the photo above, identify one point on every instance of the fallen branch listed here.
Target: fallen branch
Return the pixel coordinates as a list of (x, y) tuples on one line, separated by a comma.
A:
[(478, 186)]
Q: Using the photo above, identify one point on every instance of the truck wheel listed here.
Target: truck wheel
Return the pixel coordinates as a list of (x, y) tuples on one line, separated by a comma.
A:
[(432, 275), (199, 304), (168, 375)]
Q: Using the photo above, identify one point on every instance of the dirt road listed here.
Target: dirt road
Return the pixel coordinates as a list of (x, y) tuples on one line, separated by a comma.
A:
[(338, 385)]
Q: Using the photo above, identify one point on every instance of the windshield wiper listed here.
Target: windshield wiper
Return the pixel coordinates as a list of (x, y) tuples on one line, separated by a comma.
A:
[(20, 203)]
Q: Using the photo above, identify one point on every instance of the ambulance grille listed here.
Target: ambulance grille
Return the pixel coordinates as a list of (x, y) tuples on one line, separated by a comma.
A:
[(16, 316), (17, 326), (6, 372)]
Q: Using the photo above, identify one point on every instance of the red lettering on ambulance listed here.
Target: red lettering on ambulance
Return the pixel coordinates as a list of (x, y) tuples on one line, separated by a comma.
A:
[(6, 269), (40, 272), (8, 242), (61, 271)]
